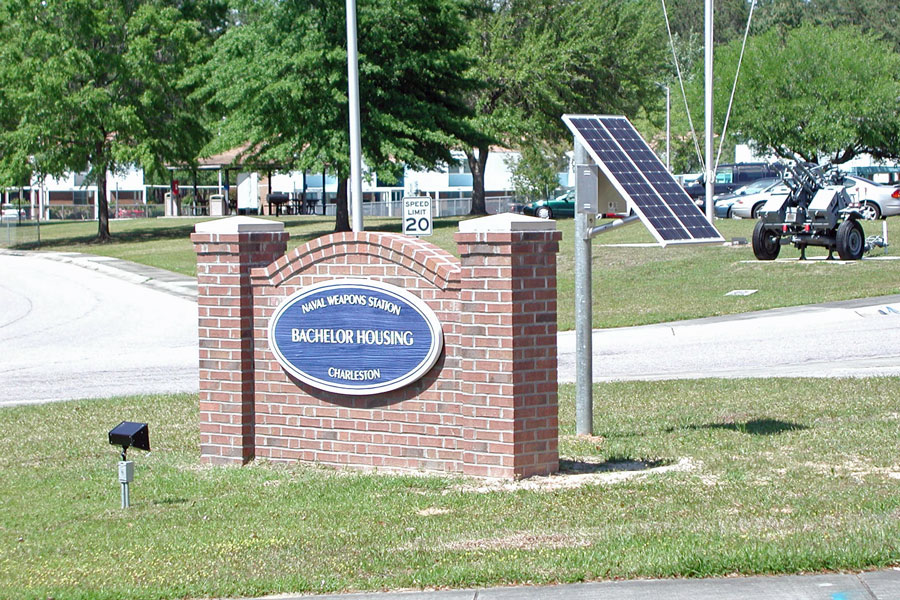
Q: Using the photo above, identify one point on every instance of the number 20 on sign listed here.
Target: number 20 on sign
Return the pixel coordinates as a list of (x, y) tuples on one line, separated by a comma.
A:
[(417, 216)]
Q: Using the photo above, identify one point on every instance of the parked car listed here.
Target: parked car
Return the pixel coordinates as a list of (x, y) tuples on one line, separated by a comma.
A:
[(560, 206), (729, 178), (878, 200), (9, 214), (747, 205)]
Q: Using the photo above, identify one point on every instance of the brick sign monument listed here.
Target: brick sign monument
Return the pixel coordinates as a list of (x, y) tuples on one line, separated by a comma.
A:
[(380, 351)]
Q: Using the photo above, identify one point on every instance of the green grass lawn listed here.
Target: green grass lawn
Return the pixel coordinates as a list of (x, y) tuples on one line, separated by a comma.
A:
[(631, 285), (747, 476)]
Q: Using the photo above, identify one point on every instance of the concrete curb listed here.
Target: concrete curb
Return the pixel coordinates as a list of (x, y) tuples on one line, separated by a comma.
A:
[(869, 585), (162, 280)]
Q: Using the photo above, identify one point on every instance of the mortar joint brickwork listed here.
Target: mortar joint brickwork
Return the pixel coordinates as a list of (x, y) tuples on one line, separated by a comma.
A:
[(487, 408)]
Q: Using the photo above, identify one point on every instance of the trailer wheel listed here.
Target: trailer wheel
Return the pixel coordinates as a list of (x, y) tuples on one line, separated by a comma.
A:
[(766, 243), (851, 241)]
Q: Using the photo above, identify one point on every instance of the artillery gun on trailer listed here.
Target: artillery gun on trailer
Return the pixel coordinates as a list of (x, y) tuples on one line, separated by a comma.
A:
[(816, 211)]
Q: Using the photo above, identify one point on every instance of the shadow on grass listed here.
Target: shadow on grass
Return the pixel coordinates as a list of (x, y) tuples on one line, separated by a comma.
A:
[(144, 234), (168, 231), (751, 427), (610, 466)]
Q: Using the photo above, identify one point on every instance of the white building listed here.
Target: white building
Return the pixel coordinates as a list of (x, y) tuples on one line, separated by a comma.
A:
[(70, 197)]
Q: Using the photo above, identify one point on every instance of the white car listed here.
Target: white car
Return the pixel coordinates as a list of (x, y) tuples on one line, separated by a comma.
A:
[(747, 205), (9, 214), (878, 201)]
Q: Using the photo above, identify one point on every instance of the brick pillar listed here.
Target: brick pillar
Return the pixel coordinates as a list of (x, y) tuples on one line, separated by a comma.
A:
[(226, 251), (508, 372)]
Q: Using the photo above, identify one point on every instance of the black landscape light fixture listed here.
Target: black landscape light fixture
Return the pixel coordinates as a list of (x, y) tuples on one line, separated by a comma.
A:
[(127, 434)]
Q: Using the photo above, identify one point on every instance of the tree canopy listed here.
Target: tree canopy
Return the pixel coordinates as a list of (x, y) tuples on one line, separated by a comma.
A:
[(540, 59), (687, 18), (817, 91), (830, 99), (880, 18), (94, 85), (280, 80)]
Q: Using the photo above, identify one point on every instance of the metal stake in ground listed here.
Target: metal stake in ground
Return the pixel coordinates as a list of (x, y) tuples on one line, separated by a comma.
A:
[(128, 434)]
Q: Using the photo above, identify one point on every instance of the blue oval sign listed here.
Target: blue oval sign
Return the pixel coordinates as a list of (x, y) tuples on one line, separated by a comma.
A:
[(355, 336)]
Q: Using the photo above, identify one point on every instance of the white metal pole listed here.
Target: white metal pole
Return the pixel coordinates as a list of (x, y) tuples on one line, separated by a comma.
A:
[(355, 151), (708, 76), (668, 129)]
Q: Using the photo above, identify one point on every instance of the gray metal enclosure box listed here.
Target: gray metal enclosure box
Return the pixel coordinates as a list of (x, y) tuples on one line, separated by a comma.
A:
[(595, 194), (587, 189)]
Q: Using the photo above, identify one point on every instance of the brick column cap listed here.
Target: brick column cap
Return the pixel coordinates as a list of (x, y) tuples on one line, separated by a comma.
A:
[(240, 224), (506, 223)]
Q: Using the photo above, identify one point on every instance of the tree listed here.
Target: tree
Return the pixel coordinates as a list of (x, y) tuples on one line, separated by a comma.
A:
[(15, 169), (98, 84), (687, 18), (818, 92), (880, 18), (534, 173), (779, 14), (280, 81), (540, 59)]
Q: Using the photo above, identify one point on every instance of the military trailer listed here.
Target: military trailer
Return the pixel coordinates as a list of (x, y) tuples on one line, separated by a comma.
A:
[(816, 211)]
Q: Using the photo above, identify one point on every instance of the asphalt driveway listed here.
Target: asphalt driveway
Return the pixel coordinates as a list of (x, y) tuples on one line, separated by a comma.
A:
[(68, 332)]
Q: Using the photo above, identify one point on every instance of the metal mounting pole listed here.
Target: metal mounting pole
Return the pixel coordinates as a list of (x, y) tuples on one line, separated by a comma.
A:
[(126, 476), (668, 129), (584, 402), (353, 96), (708, 75)]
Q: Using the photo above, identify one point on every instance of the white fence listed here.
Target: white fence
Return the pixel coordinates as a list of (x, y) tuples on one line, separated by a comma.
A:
[(444, 207)]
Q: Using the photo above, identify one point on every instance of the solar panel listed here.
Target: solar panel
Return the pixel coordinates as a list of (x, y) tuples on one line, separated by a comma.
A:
[(636, 172)]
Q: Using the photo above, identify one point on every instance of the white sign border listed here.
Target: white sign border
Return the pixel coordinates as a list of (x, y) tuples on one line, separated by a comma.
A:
[(430, 230), (431, 319)]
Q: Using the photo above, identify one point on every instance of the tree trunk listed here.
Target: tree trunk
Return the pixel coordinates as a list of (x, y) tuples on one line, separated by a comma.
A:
[(476, 165), (102, 209), (342, 212)]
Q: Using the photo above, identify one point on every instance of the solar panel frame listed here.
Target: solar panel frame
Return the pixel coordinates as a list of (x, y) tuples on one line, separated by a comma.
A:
[(640, 177)]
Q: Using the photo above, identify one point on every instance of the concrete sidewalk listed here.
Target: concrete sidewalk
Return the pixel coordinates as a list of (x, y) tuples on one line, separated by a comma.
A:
[(162, 280), (873, 585)]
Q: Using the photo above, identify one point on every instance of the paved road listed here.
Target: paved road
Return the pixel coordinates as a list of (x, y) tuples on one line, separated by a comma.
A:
[(839, 339), (69, 332), (81, 326)]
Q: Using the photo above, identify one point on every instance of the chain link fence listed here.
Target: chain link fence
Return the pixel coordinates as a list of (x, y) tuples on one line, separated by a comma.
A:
[(16, 231)]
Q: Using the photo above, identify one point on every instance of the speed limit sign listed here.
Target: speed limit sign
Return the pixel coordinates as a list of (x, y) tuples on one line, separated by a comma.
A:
[(417, 215)]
